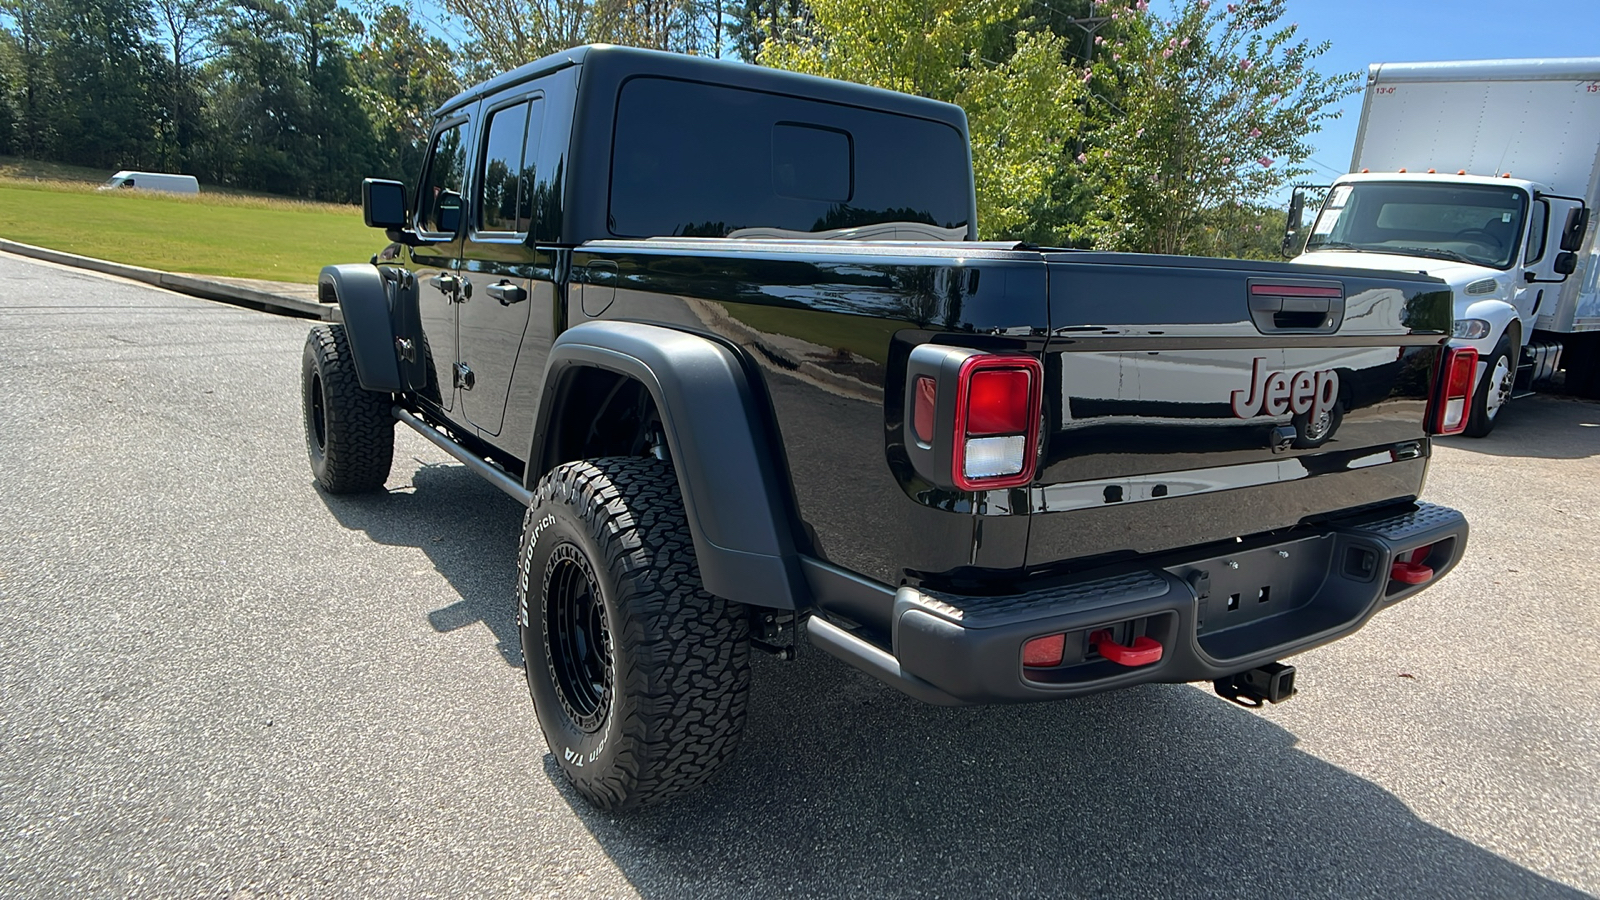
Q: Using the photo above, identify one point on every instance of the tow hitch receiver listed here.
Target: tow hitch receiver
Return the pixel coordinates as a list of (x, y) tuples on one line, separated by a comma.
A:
[(1271, 683)]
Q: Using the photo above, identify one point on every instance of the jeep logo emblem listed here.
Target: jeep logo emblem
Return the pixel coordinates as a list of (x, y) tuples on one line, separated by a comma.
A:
[(1279, 393)]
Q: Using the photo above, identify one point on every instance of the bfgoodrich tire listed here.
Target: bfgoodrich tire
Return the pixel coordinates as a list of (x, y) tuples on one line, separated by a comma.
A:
[(638, 676), (349, 430)]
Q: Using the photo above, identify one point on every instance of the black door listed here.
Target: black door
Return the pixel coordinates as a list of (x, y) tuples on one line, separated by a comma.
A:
[(500, 261), (440, 208)]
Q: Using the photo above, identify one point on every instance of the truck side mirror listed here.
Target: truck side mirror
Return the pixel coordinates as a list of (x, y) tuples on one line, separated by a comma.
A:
[(383, 203), (1294, 222), (1566, 262), (1572, 233)]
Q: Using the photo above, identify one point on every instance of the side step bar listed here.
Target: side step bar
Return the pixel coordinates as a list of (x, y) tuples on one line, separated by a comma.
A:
[(490, 472), (874, 661)]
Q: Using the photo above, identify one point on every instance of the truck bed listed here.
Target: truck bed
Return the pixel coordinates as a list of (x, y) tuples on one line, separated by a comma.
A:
[(1143, 354)]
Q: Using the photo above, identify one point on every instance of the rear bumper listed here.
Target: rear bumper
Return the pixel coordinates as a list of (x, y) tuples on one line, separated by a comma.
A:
[(1214, 613)]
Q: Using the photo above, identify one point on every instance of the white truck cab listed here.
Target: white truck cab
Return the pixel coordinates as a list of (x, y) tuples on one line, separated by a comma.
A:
[(1482, 174)]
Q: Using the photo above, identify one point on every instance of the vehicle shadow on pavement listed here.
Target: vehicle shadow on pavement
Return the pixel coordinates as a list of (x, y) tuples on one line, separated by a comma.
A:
[(1544, 426), (469, 531), (843, 787)]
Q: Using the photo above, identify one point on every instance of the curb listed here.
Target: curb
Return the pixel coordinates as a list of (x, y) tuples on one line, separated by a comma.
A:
[(193, 285)]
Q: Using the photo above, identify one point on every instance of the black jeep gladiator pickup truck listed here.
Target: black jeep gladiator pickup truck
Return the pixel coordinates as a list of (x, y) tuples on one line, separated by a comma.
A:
[(728, 334)]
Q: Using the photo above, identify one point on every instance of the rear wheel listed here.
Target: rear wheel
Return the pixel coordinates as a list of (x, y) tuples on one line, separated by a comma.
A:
[(639, 677), (1494, 389), (349, 430)]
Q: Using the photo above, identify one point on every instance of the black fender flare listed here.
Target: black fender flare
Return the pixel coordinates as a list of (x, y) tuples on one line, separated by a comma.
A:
[(364, 306), (734, 492)]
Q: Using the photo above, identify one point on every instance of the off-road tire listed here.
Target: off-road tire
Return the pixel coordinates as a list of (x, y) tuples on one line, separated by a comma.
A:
[(1479, 421), (349, 430), (676, 659)]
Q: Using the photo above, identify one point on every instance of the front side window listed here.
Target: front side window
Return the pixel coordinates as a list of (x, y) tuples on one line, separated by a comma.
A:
[(1475, 224), (439, 196)]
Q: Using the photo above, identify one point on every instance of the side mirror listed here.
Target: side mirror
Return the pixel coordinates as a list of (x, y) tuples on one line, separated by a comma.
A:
[(1294, 222), (1572, 233), (383, 203), (1566, 262)]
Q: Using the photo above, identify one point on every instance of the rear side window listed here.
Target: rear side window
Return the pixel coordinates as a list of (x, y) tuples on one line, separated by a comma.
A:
[(703, 160), (504, 203), (439, 195), (506, 181)]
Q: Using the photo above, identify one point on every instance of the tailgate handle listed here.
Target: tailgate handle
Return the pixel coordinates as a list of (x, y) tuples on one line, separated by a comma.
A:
[(1296, 306)]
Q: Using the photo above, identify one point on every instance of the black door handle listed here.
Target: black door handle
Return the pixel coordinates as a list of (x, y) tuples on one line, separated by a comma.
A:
[(507, 293)]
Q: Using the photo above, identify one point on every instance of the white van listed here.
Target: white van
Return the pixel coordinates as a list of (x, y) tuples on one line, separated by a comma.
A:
[(152, 181)]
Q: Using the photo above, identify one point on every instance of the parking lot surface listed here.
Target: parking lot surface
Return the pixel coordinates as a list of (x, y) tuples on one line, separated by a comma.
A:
[(218, 682)]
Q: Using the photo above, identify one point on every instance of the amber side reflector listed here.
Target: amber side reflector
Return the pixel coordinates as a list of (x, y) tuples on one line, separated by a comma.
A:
[(922, 417), (1044, 652)]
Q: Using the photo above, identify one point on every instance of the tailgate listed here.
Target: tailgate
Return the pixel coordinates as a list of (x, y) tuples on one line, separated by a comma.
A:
[(1194, 400)]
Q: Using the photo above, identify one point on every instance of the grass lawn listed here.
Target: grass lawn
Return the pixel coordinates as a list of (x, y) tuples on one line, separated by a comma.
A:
[(211, 234)]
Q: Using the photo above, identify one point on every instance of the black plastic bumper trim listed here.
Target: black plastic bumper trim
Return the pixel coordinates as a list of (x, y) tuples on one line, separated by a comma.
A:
[(950, 649)]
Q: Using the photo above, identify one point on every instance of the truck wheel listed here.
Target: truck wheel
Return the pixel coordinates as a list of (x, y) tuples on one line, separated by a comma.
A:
[(638, 676), (349, 430), (1494, 390)]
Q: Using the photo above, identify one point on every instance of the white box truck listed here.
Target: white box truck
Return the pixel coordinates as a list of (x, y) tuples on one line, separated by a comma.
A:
[(1482, 173)]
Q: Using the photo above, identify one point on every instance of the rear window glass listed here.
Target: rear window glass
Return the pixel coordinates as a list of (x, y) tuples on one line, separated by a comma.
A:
[(703, 160), (505, 204)]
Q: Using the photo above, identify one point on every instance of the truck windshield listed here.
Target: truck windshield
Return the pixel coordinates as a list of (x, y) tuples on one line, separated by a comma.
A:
[(1476, 224)]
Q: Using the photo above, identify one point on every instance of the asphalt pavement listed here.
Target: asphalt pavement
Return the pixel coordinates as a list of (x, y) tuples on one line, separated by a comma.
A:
[(217, 682)]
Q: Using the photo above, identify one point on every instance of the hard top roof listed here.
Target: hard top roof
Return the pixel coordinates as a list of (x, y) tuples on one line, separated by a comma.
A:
[(721, 71)]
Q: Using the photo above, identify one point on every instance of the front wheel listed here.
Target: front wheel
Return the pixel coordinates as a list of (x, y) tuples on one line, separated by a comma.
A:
[(639, 677), (1494, 390), (349, 430)]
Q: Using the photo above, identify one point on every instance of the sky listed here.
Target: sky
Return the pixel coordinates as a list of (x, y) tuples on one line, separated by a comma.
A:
[(1369, 31)]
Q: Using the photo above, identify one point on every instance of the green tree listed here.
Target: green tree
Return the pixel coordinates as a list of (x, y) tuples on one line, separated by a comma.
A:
[(98, 71), (754, 22), (504, 34), (31, 90), (402, 74), (1020, 110), (1214, 107), (185, 29), (286, 115)]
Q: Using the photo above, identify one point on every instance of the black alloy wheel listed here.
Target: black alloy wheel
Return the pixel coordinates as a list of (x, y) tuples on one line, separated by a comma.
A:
[(577, 640)]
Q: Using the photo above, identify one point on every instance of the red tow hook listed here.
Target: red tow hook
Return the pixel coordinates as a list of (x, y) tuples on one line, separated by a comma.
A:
[(1411, 573), (1408, 572), (1145, 650)]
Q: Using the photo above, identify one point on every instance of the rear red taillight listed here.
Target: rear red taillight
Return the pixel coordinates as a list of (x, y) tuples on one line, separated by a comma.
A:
[(1454, 401), (997, 401), (997, 422)]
